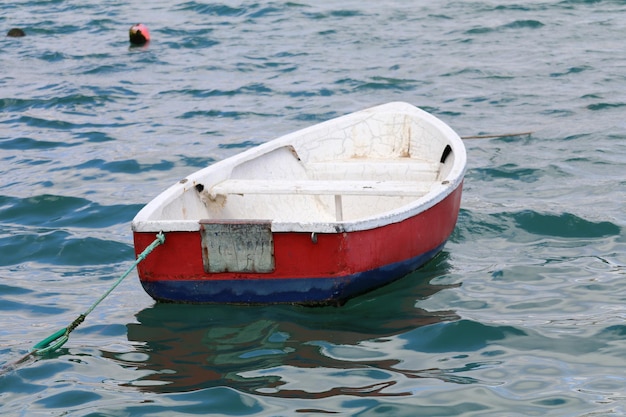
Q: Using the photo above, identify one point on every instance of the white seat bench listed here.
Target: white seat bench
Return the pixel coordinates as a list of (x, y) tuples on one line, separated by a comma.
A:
[(406, 168), (321, 187)]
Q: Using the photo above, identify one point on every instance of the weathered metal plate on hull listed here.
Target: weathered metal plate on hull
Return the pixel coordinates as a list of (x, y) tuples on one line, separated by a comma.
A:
[(240, 246)]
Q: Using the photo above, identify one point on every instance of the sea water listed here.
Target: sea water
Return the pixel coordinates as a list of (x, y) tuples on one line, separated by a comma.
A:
[(522, 314)]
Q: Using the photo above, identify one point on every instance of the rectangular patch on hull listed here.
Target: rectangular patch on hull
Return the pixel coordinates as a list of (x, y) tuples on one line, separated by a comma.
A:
[(237, 246)]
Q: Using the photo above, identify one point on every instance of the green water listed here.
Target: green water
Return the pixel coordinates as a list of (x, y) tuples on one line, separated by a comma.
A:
[(522, 313)]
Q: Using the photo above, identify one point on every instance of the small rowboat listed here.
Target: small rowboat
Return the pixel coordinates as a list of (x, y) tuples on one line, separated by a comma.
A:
[(314, 217)]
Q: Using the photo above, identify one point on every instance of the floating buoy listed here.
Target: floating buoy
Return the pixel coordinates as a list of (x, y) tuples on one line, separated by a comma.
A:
[(139, 34), (16, 33)]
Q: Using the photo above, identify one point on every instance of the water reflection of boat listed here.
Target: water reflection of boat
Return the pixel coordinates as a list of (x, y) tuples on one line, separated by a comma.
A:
[(192, 347)]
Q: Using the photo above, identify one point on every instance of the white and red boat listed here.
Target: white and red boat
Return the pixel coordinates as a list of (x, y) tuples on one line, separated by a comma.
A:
[(314, 217)]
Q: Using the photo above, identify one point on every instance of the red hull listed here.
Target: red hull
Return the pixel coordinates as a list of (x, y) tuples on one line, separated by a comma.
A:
[(306, 271)]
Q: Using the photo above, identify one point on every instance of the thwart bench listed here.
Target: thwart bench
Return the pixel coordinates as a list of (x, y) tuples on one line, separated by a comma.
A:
[(322, 187), (417, 178)]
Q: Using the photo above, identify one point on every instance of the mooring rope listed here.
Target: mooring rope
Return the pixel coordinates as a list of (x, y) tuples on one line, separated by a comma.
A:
[(58, 339)]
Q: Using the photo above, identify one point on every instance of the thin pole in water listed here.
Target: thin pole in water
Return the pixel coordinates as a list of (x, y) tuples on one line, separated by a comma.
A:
[(504, 135)]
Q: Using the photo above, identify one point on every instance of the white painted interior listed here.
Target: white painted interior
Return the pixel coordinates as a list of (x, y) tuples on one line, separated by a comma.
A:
[(368, 168)]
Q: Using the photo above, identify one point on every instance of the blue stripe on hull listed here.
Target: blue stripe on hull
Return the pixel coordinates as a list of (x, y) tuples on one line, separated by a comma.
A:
[(314, 291)]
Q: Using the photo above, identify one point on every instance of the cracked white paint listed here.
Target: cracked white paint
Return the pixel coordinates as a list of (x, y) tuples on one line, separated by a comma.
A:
[(390, 144)]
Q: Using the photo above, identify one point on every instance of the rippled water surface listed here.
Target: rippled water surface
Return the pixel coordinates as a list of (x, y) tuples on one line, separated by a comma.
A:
[(522, 314)]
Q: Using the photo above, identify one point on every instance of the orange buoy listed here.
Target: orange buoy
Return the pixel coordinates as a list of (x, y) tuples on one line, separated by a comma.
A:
[(139, 34)]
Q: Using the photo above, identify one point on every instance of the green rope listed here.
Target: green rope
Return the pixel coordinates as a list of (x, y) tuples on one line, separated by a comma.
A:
[(58, 339)]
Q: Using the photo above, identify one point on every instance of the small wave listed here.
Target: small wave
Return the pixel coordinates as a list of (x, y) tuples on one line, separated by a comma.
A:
[(572, 70), (471, 224), (23, 144), (575, 2), (515, 7), (265, 11), (197, 161), (563, 225), (315, 117), (253, 89), (341, 13), (213, 9), (69, 100), (460, 336), (95, 136), (386, 83), (615, 332), (11, 307), (523, 24), (507, 171), (345, 13), (605, 106), (379, 83), (323, 92), (236, 115), (131, 166), (103, 69), (9, 290), (46, 123), (59, 247), (517, 24), (63, 211), (479, 30), (69, 399), (53, 56), (127, 166), (236, 145)]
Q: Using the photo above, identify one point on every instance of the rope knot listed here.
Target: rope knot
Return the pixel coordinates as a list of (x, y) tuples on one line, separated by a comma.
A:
[(75, 324)]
